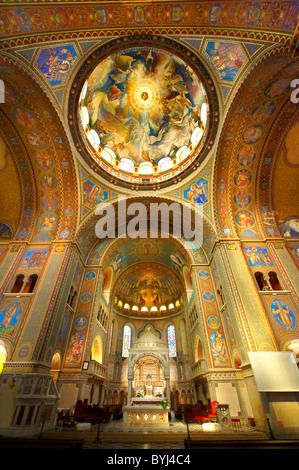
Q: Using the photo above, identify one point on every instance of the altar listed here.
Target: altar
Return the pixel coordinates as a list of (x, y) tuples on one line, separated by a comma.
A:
[(148, 382), (145, 416), (147, 400)]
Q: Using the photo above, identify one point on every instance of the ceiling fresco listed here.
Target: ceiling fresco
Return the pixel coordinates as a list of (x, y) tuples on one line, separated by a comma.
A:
[(37, 127), (144, 105), (43, 19), (146, 113), (245, 138)]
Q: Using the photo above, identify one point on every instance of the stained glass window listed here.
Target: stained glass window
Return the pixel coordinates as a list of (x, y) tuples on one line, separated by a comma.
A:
[(171, 341), (126, 341)]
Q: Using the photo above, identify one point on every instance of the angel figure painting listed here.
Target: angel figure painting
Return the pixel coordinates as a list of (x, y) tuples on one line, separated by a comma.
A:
[(143, 104)]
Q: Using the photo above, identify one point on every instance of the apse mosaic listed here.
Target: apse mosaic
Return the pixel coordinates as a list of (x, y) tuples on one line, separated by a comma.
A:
[(143, 105), (148, 286)]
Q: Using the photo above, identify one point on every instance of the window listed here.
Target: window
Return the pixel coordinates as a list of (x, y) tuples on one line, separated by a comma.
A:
[(97, 350), (17, 287), (274, 281), (165, 164), (126, 164), (126, 341), (171, 341)]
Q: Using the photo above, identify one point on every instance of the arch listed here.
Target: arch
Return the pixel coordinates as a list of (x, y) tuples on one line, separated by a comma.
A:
[(30, 284), (97, 350), (260, 280), (171, 339), (3, 355), (160, 357), (56, 361), (19, 281), (274, 282), (127, 335), (198, 349)]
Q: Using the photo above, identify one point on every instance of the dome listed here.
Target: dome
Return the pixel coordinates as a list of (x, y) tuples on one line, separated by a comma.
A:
[(141, 114)]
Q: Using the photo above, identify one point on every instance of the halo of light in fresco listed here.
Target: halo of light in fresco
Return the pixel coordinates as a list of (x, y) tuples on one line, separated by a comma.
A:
[(142, 105)]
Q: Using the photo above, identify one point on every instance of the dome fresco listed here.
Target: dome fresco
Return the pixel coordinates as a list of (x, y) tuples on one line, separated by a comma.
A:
[(144, 105), (141, 112)]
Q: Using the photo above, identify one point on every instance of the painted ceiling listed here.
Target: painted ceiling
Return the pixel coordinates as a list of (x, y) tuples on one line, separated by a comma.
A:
[(144, 105), (245, 183)]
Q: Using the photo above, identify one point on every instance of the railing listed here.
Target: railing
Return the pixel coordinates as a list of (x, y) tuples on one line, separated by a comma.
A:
[(96, 368)]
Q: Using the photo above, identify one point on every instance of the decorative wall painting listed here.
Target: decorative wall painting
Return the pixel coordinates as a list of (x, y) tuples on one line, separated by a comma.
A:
[(10, 316), (55, 63), (226, 58), (34, 259), (218, 347), (258, 257), (290, 228), (283, 315), (197, 191)]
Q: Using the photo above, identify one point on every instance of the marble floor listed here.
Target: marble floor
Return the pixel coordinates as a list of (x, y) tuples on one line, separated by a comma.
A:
[(114, 435)]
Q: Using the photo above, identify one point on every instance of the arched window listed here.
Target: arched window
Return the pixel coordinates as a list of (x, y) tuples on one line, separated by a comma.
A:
[(126, 164), (171, 341), (18, 283), (97, 350), (260, 280), (30, 284), (273, 279), (126, 341), (3, 355)]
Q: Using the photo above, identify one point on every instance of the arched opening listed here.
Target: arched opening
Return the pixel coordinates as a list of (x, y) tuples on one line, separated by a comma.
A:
[(107, 283), (3, 355), (198, 350), (19, 281), (126, 341), (55, 366), (30, 284), (274, 282), (97, 350), (172, 352), (149, 377), (260, 280)]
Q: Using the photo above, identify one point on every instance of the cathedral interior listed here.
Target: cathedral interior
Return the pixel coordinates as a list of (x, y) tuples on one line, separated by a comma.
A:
[(149, 219)]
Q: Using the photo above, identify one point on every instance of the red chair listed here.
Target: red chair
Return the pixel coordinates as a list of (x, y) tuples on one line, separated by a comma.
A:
[(213, 415)]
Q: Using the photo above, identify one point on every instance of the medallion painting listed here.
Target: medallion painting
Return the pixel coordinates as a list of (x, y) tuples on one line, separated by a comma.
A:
[(143, 104)]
